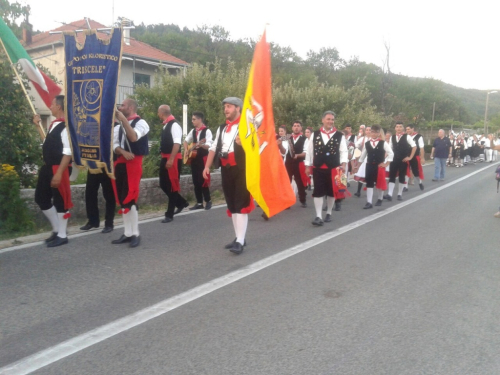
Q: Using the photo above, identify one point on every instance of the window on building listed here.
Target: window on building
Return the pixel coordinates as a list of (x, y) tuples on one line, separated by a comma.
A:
[(142, 79)]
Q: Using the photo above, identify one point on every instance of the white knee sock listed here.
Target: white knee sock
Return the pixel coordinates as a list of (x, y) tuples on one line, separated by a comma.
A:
[(134, 220), (421, 181), (380, 194), (63, 224), (318, 206), (51, 214), (400, 188), (241, 227), (369, 195), (330, 201), (233, 218), (407, 179), (127, 224), (391, 188)]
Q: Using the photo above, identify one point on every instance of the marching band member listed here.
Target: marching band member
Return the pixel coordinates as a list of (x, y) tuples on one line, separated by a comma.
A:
[(53, 192), (201, 136), (130, 144), (327, 150), (378, 154), (227, 147), (294, 160), (418, 160)]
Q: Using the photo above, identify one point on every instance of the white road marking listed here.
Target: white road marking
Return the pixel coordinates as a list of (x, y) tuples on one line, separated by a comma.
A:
[(53, 354), (90, 232)]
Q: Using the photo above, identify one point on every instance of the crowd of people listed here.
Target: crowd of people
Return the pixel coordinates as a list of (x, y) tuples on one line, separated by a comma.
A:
[(319, 160)]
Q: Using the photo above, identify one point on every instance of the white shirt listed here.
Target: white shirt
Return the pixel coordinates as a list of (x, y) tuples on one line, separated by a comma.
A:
[(360, 142), (487, 142), (420, 140), (326, 138), (141, 129), (176, 132), (64, 138), (388, 152), (208, 137), (409, 139), (227, 139)]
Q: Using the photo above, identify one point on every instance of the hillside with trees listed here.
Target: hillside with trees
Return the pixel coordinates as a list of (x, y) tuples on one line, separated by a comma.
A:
[(390, 96)]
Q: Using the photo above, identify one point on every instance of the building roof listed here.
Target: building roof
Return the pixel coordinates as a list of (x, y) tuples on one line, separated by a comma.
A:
[(134, 49)]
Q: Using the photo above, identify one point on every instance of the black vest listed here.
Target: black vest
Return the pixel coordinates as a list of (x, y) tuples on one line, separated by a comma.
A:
[(375, 155), (239, 153), (402, 149), (139, 147), (52, 149), (328, 154), (201, 151), (298, 148), (167, 141), (416, 139), (352, 138)]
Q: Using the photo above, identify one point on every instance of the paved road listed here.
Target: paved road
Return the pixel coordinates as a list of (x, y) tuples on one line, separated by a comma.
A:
[(411, 288)]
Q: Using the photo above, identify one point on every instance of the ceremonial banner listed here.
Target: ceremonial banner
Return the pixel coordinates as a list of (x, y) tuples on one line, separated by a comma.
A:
[(91, 84), (267, 179)]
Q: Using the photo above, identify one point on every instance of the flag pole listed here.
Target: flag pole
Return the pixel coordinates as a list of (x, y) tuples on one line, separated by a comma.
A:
[(41, 131)]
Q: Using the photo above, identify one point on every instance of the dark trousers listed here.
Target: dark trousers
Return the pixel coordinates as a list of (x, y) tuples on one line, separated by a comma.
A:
[(174, 198), (395, 168), (94, 181), (293, 170), (414, 167), (371, 174), (45, 194), (200, 192), (234, 185)]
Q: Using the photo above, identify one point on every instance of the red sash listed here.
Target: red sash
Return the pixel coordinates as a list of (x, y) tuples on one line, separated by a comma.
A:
[(134, 174), (302, 169), (173, 172), (381, 182), (64, 187), (206, 182), (420, 169), (231, 160)]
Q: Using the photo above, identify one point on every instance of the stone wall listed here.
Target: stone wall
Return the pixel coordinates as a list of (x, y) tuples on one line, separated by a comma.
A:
[(150, 195)]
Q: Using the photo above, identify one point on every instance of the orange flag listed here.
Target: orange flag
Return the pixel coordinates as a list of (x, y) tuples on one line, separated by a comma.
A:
[(267, 179)]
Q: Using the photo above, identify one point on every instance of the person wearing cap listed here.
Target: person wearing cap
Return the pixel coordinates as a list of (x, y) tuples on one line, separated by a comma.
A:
[(227, 148), (171, 163), (326, 151)]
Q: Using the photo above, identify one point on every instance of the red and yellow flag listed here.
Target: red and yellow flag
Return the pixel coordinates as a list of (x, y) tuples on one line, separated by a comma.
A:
[(267, 179)]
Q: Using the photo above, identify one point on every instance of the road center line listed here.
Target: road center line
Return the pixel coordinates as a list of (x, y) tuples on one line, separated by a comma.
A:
[(57, 352)]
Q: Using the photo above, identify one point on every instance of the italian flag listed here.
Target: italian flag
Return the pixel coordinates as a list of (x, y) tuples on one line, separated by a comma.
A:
[(47, 88)]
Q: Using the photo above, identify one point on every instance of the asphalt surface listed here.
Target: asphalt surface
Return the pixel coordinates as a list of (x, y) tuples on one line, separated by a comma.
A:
[(414, 290)]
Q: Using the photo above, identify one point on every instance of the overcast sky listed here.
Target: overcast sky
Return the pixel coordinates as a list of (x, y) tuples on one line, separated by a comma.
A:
[(457, 44)]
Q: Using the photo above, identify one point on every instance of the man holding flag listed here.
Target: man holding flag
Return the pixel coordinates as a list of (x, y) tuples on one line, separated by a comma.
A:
[(227, 147)]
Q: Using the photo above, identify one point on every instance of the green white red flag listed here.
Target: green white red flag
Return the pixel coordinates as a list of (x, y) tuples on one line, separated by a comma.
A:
[(45, 87)]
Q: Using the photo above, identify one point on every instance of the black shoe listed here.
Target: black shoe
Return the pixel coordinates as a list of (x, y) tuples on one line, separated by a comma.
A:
[(230, 245), (328, 218), (367, 206), (135, 241), (400, 198), (318, 222), (303, 205), (389, 198), (107, 230), (434, 179), (379, 202), (167, 220), (52, 237), (266, 218), (178, 210), (88, 226), (237, 248), (197, 206), (58, 241), (357, 194), (338, 206), (421, 186), (405, 189), (122, 239), (208, 205)]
